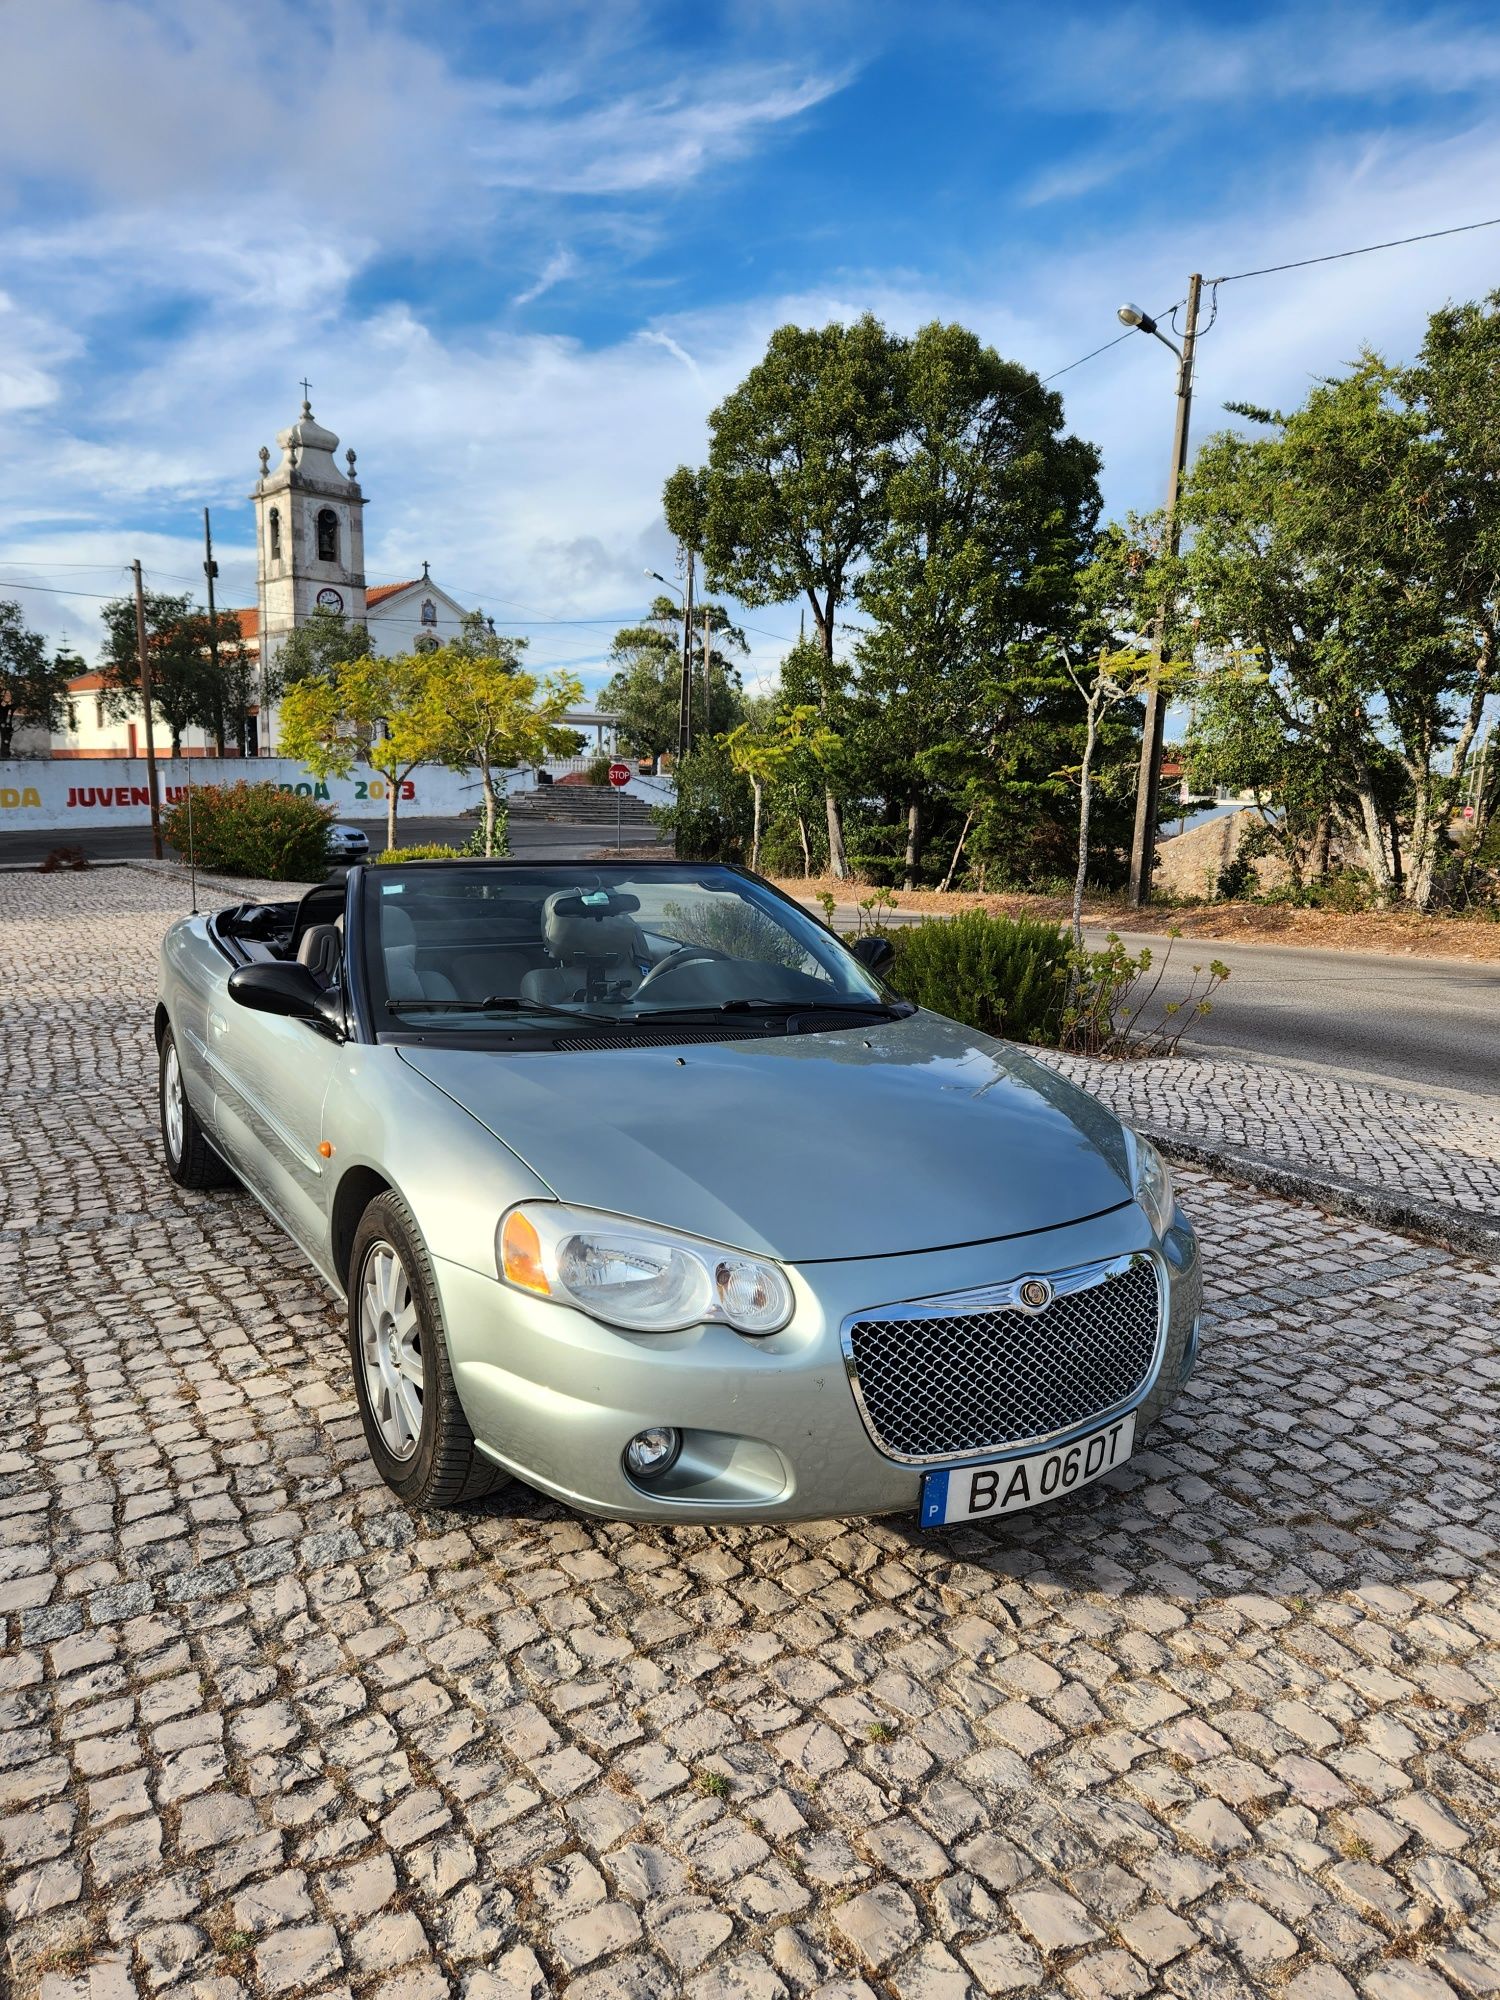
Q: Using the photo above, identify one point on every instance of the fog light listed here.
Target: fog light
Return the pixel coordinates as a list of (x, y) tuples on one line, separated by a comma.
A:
[(651, 1453)]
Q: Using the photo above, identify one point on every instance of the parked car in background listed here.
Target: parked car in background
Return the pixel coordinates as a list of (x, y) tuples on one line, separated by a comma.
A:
[(642, 1186), (347, 843)]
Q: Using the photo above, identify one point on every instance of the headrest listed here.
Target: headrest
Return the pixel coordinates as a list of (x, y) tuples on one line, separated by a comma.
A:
[(321, 950), (396, 927), (589, 923)]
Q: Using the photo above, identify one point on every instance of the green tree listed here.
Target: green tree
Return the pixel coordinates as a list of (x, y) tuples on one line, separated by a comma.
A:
[(991, 509), (33, 682), (488, 715), (182, 691), (380, 711), (311, 651), (645, 689), (1334, 546), (762, 751), (793, 497)]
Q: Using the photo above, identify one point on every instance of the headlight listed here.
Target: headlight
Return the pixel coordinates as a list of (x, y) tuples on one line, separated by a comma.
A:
[(634, 1275), (1150, 1181)]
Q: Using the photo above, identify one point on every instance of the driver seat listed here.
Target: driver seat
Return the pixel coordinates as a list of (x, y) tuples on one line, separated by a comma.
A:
[(585, 945)]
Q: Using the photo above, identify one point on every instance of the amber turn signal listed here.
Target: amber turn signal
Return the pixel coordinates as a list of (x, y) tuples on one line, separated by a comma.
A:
[(325, 1149), (521, 1254)]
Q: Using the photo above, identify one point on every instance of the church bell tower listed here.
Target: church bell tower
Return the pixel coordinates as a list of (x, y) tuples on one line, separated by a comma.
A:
[(309, 535)]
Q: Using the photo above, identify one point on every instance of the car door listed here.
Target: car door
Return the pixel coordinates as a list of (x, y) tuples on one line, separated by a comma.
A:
[(271, 1077)]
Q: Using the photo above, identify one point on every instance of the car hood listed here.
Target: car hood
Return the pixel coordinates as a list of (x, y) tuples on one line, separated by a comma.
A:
[(890, 1137)]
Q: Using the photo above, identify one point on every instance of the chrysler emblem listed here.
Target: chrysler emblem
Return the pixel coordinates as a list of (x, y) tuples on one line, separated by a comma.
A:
[(1035, 1294)]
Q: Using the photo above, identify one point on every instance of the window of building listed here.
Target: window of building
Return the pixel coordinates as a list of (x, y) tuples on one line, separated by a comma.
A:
[(427, 642), (72, 716), (276, 534), (429, 611), (98, 713), (328, 535)]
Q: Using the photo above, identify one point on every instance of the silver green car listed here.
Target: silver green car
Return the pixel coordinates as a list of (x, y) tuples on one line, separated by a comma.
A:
[(644, 1188)]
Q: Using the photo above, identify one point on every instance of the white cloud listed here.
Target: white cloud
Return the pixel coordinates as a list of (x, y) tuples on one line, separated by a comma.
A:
[(561, 264)]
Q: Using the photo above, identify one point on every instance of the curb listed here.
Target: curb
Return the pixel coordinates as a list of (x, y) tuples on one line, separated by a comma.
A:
[(1469, 1235)]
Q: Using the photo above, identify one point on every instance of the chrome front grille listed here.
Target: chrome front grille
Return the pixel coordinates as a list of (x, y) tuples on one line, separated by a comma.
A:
[(980, 1372)]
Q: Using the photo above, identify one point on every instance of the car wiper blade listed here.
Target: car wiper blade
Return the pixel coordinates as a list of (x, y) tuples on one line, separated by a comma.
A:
[(862, 1010), (506, 1004)]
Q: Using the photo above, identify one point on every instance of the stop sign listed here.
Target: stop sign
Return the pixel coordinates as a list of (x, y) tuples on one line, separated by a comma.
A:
[(619, 774)]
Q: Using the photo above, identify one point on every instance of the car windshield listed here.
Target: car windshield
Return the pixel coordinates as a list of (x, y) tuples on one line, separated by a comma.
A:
[(475, 947)]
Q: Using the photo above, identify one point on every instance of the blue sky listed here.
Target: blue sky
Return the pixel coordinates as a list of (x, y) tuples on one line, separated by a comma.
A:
[(522, 249)]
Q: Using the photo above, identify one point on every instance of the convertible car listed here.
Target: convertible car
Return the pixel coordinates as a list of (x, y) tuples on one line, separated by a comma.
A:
[(644, 1188)]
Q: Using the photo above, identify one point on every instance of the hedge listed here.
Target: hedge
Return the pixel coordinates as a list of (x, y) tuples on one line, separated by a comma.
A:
[(251, 829), (1005, 976)]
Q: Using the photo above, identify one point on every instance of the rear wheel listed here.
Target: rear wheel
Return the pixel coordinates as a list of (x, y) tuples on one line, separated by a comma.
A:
[(191, 1161), (414, 1423)]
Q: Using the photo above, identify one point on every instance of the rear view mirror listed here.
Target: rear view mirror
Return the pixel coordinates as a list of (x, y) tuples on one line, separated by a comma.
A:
[(875, 954), (276, 987)]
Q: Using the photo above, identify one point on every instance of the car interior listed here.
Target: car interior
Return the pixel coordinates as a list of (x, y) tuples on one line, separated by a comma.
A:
[(457, 938)]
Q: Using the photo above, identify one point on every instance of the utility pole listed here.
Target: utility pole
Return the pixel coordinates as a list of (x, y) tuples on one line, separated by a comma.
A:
[(708, 667), (143, 666), (685, 692), (1148, 783)]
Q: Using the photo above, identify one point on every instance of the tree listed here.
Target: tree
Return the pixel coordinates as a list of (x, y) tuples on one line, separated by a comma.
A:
[(991, 510), (33, 685), (646, 687), (488, 715), (793, 496), (1344, 545), (181, 667), (380, 711), (760, 751), (312, 650)]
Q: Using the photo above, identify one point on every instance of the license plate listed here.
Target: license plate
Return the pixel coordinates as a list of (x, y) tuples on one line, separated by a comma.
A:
[(975, 1492)]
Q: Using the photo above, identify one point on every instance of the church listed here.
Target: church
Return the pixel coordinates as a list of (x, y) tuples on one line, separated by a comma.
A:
[(309, 555)]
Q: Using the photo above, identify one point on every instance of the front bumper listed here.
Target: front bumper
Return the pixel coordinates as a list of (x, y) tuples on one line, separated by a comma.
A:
[(772, 1428)]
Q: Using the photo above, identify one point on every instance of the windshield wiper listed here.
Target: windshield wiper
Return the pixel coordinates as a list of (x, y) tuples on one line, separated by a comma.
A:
[(506, 1004), (865, 1010)]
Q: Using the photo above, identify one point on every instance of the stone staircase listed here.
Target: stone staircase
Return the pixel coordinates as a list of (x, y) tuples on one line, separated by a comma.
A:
[(581, 805)]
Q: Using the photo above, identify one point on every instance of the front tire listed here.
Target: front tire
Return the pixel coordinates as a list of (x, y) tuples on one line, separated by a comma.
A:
[(191, 1161), (414, 1423)]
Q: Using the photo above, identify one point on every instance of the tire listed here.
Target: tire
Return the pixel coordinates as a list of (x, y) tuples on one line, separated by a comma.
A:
[(191, 1160), (414, 1423)]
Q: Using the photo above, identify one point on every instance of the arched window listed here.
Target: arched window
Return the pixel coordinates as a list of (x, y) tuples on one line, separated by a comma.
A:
[(427, 642), (328, 535), (276, 534)]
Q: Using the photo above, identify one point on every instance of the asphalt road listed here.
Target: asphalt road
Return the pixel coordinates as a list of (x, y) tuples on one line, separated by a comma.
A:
[(121, 843), (1433, 1021)]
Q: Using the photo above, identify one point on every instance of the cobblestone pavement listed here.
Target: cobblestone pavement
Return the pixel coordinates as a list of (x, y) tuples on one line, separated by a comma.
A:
[(1444, 1151), (1227, 1725)]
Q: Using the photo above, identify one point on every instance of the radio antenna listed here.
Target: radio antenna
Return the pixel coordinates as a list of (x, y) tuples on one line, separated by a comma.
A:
[(192, 844)]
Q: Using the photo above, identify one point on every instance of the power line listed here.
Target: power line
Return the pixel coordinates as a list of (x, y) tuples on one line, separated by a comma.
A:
[(1093, 352), (1364, 250)]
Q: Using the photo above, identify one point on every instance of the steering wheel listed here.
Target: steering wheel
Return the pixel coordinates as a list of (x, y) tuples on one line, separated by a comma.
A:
[(687, 954)]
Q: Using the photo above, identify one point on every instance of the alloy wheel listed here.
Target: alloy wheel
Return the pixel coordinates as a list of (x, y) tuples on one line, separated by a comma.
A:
[(390, 1339), (171, 1103)]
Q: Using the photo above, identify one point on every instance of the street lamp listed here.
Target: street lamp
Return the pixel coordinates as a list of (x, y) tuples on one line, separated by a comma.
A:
[(1148, 782), (685, 685)]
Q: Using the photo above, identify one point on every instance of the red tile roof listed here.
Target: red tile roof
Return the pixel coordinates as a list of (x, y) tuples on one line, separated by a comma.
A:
[(384, 590), (86, 684)]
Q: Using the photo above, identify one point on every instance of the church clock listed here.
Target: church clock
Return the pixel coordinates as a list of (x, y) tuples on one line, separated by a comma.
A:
[(330, 599)]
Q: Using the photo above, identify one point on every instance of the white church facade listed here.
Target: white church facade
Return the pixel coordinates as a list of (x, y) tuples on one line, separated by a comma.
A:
[(309, 556)]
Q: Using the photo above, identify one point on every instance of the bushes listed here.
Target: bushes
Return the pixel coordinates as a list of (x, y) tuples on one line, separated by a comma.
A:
[(256, 830), (1004, 976), (424, 850)]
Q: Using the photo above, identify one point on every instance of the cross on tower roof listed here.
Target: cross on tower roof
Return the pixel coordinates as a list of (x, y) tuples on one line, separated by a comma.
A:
[(306, 392)]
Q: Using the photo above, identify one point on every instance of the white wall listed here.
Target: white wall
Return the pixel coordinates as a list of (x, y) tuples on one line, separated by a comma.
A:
[(112, 791)]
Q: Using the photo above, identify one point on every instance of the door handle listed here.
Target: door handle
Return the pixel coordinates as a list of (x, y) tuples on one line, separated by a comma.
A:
[(217, 1025)]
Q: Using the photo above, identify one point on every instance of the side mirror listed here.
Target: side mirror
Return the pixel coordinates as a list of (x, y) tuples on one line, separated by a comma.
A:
[(276, 987), (875, 954)]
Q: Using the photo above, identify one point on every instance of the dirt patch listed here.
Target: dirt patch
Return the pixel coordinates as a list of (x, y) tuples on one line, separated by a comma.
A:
[(1399, 932)]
